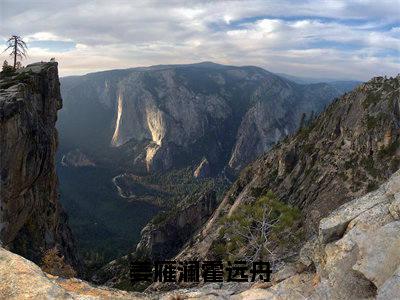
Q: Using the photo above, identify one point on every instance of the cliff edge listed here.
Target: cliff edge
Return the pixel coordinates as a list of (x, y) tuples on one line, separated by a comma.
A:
[(31, 218)]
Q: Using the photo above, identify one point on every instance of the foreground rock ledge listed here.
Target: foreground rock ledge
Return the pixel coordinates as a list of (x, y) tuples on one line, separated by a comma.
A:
[(360, 261)]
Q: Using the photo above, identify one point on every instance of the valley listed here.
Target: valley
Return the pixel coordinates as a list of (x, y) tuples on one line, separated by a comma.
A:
[(159, 138)]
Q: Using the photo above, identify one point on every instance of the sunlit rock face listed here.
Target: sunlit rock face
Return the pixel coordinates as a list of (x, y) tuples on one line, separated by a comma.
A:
[(31, 219), (183, 113)]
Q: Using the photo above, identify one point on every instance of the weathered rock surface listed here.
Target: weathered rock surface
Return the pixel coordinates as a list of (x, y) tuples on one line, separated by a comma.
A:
[(22, 279), (31, 218), (203, 170), (363, 262), (347, 151), (360, 262)]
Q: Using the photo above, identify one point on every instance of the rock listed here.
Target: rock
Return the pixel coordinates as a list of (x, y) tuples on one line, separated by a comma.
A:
[(31, 218), (360, 262), (76, 158), (379, 254), (364, 263), (334, 226), (203, 169), (394, 208), (334, 160), (391, 288), (22, 279), (306, 255)]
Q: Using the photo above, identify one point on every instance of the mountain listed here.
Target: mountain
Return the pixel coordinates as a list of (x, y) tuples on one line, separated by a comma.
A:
[(162, 136), (31, 217), (308, 80), (349, 150), (170, 116)]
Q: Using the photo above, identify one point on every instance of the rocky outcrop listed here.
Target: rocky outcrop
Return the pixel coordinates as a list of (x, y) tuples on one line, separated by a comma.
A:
[(76, 158), (31, 218), (203, 169), (163, 238), (360, 261), (346, 152), (363, 259), (22, 279)]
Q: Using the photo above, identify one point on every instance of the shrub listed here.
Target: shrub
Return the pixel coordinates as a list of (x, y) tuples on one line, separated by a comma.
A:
[(54, 264), (7, 70), (390, 150), (249, 231)]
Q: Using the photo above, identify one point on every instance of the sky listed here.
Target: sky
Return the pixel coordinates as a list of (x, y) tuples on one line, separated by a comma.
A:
[(355, 39)]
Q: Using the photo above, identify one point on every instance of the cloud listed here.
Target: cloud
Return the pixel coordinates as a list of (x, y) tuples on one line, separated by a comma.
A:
[(345, 39)]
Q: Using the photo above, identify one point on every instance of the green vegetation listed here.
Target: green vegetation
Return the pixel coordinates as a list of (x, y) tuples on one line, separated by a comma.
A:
[(368, 164), (7, 70), (373, 121), (105, 225), (372, 186), (255, 228), (390, 150), (371, 99)]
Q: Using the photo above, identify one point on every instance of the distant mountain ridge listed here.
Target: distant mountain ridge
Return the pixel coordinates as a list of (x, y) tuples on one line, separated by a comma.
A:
[(177, 110)]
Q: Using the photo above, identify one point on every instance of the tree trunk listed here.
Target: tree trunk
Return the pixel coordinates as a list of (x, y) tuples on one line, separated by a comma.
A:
[(15, 52)]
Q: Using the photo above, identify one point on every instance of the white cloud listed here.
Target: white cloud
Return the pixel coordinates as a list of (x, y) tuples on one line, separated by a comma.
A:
[(348, 39)]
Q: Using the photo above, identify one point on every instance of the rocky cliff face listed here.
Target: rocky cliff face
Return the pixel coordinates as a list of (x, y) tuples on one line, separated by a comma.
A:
[(229, 115), (348, 151), (31, 218), (354, 256)]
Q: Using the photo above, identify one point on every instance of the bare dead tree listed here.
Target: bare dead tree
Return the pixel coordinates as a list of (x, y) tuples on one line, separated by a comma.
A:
[(19, 48)]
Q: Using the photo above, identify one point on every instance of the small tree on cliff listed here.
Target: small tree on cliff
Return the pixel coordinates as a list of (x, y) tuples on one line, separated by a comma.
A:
[(54, 264), (18, 47), (7, 70)]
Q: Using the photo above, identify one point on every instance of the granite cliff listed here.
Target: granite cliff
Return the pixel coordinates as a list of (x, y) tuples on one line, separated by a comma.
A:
[(31, 218), (351, 148), (169, 116)]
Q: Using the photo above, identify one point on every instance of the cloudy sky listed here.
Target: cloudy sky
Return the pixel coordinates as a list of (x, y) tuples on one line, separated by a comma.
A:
[(354, 39)]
